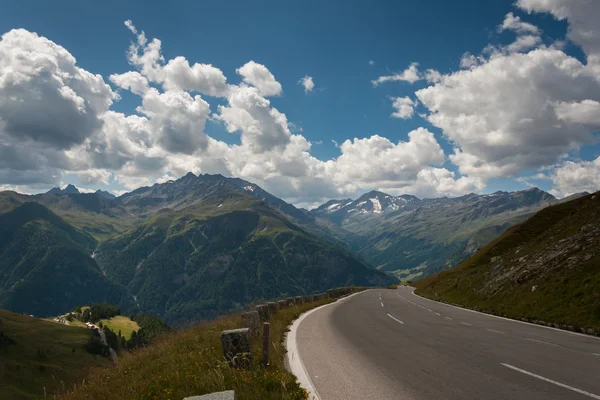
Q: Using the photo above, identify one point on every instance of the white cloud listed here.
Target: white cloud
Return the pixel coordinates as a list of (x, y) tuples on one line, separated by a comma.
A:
[(371, 62), (582, 16), (410, 75), (307, 83), (576, 177), (514, 23), (586, 112), (261, 78), (132, 81), (469, 60), (74, 131), (524, 43), (433, 76), (94, 177), (404, 107), (501, 116)]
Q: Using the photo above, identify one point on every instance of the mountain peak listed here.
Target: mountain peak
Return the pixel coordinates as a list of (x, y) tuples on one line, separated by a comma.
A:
[(69, 189)]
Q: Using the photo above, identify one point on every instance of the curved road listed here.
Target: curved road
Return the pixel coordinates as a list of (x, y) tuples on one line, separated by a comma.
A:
[(392, 344)]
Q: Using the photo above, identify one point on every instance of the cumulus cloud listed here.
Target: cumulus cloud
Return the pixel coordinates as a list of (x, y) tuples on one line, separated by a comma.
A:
[(576, 177), (499, 115), (404, 107), (410, 75), (63, 102), (68, 127), (514, 23), (586, 112), (261, 78), (307, 83)]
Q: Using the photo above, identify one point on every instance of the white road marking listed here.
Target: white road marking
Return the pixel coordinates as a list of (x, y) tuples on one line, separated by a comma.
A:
[(382, 304), (596, 354), (464, 323), (448, 318), (539, 341), (509, 319), (428, 310), (583, 392), (395, 319), (493, 330), (437, 313)]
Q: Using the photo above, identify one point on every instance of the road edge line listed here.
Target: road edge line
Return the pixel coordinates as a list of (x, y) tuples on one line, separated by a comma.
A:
[(510, 319), (293, 359)]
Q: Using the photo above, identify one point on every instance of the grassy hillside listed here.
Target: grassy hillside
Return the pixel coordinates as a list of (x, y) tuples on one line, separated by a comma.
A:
[(225, 252), (45, 265), (547, 268), (191, 363), (121, 323), (37, 354)]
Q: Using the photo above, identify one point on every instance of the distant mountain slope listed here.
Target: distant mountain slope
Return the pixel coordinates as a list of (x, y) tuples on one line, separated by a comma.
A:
[(218, 254), (413, 237), (69, 189), (45, 264), (547, 268), (93, 213)]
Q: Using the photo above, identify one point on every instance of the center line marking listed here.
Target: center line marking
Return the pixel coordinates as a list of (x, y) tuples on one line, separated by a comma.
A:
[(464, 323), (583, 392), (596, 354), (539, 341), (448, 318), (395, 319), (428, 310), (382, 304), (493, 330), (437, 313)]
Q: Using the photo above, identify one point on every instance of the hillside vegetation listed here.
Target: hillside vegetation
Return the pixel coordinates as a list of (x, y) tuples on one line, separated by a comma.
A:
[(38, 356), (191, 363), (45, 264), (214, 257), (547, 269)]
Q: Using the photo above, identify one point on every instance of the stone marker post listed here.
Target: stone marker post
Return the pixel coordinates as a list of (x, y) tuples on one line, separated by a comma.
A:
[(281, 304), (237, 347), (251, 320), (263, 312), (266, 344), (272, 307), (298, 300)]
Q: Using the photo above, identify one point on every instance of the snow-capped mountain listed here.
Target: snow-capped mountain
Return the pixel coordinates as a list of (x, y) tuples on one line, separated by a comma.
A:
[(370, 203)]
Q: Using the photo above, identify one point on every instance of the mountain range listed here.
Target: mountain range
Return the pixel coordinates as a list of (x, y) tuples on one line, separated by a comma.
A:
[(185, 250), (200, 246), (412, 237)]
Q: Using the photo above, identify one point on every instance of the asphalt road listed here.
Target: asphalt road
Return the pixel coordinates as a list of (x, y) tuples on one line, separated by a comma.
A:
[(392, 344)]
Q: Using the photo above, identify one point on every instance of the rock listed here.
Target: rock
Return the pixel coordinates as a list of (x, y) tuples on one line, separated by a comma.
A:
[(263, 312), (590, 331), (227, 395), (533, 288), (237, 347), (251, 320)]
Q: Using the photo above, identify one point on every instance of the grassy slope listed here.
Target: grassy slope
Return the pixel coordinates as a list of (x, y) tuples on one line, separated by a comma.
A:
[(555, 251), (20, 363), (191, 363), (121, 323)]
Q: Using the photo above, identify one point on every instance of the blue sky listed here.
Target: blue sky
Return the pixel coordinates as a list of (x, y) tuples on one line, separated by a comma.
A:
[(333, 42)]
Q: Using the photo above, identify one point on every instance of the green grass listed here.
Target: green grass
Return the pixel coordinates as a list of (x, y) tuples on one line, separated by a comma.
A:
[(39, 357), (121, 323), (564, 289), (191, 363)]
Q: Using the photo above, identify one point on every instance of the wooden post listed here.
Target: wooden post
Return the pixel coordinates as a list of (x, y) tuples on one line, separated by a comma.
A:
[(266, 344)]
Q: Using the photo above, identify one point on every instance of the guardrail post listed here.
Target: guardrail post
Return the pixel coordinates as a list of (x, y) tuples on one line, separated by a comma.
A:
[(266, 344)]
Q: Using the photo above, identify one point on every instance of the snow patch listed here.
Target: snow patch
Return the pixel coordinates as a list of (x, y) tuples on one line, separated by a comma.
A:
[(376, 205), (249, 188)]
